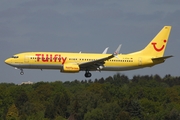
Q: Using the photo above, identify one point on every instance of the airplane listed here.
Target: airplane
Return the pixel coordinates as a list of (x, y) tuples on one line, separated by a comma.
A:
[(68, 62)]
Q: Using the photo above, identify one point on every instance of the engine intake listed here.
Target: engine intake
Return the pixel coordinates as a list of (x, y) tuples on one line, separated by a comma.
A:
[(70, 68)]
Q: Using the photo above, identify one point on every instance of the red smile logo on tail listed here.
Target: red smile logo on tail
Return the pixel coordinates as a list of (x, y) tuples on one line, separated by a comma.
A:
[(158, 49)]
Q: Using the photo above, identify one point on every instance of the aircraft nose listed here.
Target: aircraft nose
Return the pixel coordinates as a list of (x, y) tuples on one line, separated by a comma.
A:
[(7, 61)]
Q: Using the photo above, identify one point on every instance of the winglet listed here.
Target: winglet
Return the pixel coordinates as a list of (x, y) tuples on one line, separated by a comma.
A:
[(117, 50), (105, 50)]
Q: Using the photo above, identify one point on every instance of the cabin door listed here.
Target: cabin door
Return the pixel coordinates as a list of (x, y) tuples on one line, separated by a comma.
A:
[(140, 61), (26, 58)]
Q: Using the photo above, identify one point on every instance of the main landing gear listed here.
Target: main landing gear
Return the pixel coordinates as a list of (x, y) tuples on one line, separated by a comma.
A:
[(87, 74)]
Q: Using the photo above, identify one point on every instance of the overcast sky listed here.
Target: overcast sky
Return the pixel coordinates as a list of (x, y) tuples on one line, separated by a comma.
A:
[(87, 26)]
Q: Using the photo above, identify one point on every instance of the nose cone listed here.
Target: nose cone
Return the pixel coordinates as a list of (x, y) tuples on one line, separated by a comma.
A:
[(7, 61)]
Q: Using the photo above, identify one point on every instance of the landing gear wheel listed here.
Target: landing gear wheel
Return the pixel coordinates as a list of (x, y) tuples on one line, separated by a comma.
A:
[(87, 74), (22, 73)]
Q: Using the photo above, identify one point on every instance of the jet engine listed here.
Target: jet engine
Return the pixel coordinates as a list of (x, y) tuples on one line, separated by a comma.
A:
[(70, 68)]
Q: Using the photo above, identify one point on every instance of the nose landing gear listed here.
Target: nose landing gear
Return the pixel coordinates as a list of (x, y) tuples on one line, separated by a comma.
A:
[(21, 73)]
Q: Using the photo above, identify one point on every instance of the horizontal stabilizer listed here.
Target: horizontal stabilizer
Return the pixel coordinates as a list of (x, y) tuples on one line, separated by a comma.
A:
[(162, 58)]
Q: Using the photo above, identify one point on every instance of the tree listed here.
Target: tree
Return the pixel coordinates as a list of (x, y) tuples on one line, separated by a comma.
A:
[(20, 101), (123, 115), (95, 114), (61, 101), (117, 97), (173, 95), (12, 113), (49, 112)]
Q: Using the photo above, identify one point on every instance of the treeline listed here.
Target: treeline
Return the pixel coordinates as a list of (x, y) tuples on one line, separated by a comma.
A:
[(113, 98)]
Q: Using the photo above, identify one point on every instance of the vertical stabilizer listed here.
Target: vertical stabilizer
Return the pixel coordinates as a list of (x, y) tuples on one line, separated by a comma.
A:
[(157, 46)]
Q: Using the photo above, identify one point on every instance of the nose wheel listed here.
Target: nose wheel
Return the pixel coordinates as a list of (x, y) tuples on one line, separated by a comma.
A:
[(87, 74), (21, 73)]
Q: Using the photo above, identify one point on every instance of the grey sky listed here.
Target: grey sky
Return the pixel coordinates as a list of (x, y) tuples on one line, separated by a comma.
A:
[(87, 26)]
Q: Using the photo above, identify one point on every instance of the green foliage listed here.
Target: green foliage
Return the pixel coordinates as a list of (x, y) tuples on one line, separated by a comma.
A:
[(113, 98), (12, 113), (95, 114), (50, 112)]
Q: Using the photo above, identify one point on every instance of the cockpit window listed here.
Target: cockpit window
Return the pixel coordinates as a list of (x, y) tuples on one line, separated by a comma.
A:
[(15, 56)]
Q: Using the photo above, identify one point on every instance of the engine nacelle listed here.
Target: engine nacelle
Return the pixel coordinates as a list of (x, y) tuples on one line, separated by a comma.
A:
[(70, 68)]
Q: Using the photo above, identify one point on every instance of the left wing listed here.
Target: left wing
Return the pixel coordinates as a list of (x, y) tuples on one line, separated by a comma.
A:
[(105, 51), (99, 63)]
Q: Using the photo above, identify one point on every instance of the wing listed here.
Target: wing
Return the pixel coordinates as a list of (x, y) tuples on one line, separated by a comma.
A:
[(99, 63)]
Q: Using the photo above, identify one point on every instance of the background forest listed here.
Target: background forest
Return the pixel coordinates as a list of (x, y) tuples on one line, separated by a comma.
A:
[(114, 98)]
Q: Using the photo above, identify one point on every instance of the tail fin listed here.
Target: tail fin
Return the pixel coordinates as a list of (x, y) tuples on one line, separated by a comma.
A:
[(157, 46)]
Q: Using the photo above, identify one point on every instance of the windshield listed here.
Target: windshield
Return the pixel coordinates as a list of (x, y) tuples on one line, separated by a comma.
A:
[(14, 56)]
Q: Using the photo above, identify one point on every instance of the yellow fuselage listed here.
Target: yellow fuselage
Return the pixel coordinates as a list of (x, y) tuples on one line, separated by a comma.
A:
[(55, 60)]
